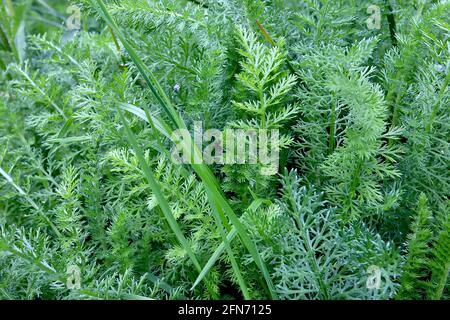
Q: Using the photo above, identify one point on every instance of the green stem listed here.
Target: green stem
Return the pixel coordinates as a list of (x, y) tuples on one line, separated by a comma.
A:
[(355, 179), (30, 201), (437, 294), (269, 39), (10, 7), (354, 184), (37, 263), (230, 253), (4, 40), (392, 24), (331, 140), (396, 110), (116, 43), (2, 65), (395, 115), (263, 111), (310, 251), (34, 84)]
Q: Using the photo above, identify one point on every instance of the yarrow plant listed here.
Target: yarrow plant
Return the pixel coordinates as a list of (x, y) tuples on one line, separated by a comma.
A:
[(180, 149)]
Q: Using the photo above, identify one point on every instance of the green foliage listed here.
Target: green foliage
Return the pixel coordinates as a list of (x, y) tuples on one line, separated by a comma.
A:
[(426, 268), (342, 135), (267, 86), (416, 261), (320, 258), (440, 263), (87, 180)]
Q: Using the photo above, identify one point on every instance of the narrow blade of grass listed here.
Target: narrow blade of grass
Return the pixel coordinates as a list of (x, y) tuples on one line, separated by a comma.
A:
[(202, 170), (65, 128), (143, 69), (212, 260), (164, 205), (219, 250), (69, 140), (162, 127), (234, 264)]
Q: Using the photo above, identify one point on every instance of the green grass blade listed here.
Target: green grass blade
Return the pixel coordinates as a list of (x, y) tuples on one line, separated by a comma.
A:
[(202, 170), (161, 126), (219, 250), (222, 203), (234, 264), (65, 128), (69, 140), (164, 205), (158, 125), (212, 260), (143, 70), (209, 180)]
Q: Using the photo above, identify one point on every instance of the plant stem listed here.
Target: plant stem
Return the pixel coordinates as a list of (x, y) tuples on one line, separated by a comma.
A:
[(437, 294), (34, 84), (10, 8), (354, 184), (269, 39), (392, 24), (4, 40), (310, 251), (331, 141), (30, 201), (116, 43)]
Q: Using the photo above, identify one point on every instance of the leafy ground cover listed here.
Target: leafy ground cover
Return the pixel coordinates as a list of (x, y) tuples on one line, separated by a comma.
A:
[(93, 205)]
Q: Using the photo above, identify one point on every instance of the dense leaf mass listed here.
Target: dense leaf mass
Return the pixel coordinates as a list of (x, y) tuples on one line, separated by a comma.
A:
[(92, 205)]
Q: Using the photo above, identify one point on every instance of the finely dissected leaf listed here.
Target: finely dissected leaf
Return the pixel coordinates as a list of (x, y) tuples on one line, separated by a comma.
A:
[(10, 180), (162, 202), (212, 260), (203, 172)]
